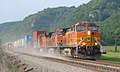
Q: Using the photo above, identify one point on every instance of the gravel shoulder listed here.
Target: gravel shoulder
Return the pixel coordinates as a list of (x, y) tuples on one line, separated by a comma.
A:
[(42, 65)]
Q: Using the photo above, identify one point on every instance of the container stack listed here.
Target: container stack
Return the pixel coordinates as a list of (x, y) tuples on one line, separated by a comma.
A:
[(28, 41), (36, 38)]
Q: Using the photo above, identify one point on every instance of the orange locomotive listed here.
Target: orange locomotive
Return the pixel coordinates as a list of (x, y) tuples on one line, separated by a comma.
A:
[(81, 40)]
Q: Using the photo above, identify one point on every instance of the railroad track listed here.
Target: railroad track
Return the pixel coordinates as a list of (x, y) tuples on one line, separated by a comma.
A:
[(103, 62), (99, 65), (109, 62)]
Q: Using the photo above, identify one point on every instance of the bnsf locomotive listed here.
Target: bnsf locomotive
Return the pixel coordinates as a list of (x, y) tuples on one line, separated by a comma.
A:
[(81, 40)]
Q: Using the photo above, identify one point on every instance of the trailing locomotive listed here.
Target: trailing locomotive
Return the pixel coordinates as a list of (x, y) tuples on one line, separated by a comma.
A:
[(9, 46), (81, 40)]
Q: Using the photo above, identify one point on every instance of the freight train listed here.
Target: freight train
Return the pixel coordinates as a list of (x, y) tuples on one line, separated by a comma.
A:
[(81, 40)]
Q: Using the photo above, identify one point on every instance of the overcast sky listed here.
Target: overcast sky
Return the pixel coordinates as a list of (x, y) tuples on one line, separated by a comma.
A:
[(14, 10)]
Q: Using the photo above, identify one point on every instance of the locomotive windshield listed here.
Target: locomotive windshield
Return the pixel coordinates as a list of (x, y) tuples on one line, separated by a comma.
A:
[(80, 28), (59, 33), (68, 30), (92, 28)]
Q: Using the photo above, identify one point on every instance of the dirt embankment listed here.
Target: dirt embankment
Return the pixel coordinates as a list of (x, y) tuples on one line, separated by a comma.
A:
[(3, 63), (6, 61), (11, 63)]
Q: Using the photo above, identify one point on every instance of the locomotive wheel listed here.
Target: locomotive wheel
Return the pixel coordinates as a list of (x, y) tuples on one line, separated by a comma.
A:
[(57, 51), (65, 52), (51, 51), (73, 53), (61, 53)]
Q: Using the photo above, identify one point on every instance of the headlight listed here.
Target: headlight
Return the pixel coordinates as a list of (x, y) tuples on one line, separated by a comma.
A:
[(96, 43), (9, 45), (83, 43), (88, 32)]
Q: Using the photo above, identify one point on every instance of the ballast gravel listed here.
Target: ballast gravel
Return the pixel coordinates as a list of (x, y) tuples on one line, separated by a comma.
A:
[(42, 65)]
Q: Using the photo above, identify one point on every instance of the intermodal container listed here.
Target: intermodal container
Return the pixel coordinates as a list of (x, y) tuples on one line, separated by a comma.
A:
[(28, 41), (36, 34), (28, 38)]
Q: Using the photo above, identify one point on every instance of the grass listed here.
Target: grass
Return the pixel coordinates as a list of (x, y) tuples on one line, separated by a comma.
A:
[(111, 55), (107, 48)]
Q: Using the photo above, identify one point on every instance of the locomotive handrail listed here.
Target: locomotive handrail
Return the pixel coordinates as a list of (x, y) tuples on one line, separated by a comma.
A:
[(80, 42), (78, 45), (98, 43)]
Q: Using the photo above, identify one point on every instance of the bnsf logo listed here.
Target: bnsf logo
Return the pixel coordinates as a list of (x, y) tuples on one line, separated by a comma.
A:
[(90, 38)]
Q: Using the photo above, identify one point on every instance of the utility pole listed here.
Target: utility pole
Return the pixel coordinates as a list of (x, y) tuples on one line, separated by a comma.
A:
[(115, 44), (116, 36)]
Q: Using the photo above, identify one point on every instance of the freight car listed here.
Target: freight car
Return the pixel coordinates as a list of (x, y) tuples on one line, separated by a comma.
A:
[(81, 40)]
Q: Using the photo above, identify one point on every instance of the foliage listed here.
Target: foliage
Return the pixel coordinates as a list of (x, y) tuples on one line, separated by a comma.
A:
[(111, 56)]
